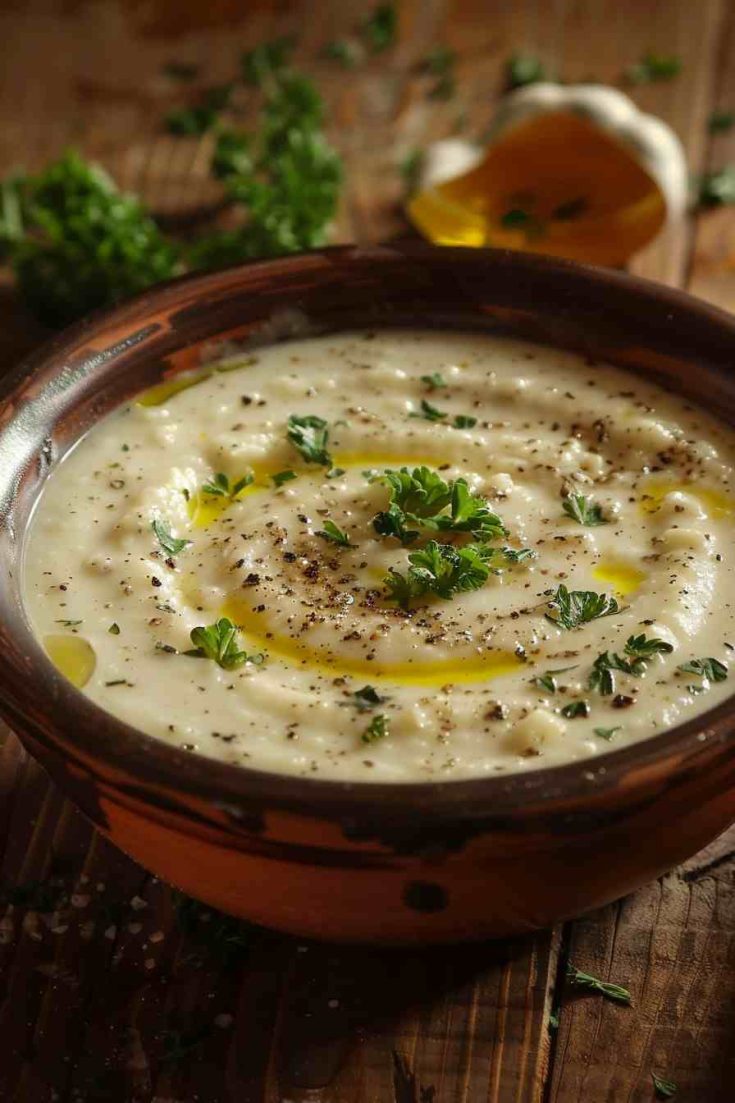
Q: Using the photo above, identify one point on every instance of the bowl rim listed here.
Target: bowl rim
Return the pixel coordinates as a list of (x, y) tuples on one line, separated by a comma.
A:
[(150, 762)]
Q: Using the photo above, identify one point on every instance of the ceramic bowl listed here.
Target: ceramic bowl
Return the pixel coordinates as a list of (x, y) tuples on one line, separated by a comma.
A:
[(357, 861)]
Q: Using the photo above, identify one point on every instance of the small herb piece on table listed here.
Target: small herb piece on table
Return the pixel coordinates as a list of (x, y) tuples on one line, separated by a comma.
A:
[(577, 607), (219, 642), (524, 69), (653, 67), (170, 544), (378, 728), (379, 29), (335, 534), (721, 121), (266, 60), (583, 510), (663, 1089), (343, 51), (613, 992), (717, 188), (309, 435)]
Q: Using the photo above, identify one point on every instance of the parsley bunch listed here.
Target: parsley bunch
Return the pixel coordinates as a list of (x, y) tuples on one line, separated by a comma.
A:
[(440, 569), (76, 243)]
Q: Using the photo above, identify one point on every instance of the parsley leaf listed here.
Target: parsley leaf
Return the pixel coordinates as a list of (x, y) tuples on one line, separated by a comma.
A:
[(378, 728), (282, 477), (639, 650), (524, 69), (664, 1089), (366, 699), (439, 569), (577, 607), (653, 67), (548, 681), (335, 534), (429, 412), (712, 670), (309, 435), (464, 421), (583, 510), (434, 381), (379, 29), (419, 496), (219, 642), (640, 647), (606, 733), (220, 486), (575, 709), (613, 992), (170, 544)]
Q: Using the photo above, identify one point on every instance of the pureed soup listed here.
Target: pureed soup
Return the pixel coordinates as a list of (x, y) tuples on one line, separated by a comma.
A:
[(393, 556)]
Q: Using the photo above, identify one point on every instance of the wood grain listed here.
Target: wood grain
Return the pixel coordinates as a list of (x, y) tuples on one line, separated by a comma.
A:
[(110, 988)]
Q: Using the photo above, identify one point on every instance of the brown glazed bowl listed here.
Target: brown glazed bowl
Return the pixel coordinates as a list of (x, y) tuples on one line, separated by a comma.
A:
[(363, 862)]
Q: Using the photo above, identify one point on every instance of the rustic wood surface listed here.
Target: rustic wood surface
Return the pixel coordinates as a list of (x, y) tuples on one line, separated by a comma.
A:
[(111, 987)]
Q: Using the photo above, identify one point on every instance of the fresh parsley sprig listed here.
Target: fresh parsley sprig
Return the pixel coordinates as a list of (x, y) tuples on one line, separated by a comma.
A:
[(221, 487), (219, 642), (419, 498), (334, 534), (309, 436), (439, 569), (574, 608), (583, 510), (378, 728), (170, 544), (614, 992)]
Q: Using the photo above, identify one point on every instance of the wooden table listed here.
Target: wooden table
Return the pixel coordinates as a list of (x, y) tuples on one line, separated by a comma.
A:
[(110, 988)]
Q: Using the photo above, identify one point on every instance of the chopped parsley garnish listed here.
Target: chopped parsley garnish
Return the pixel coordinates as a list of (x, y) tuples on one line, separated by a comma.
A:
[(170, 544), (653, 67), (366, 699), (638, 649), (429, 412), (309, 435), (524, 69), (336, 472), (464, 421), (114, 629), (379, 29), (219, 642), (440, 63), (606, 733), (434, 381), (282, 477), (717, 188), (266, 60), (439, 569), (69, 623), (583, 510), (721, 121), (664, 1089), (378, 728), (220, 486), (613, 992), (335, 534), (419, 498), (575, 709), (548, 681), (577, 607), (711, 670)]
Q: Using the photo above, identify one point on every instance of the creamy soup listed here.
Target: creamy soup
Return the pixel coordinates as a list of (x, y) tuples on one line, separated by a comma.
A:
[(393, 556)]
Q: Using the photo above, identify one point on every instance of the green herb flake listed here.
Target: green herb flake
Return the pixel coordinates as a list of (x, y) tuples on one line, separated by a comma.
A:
[(663, 1089), (335, 534), (429, 412), (365, 699), (266, 60), (583, 510), (721, 121), (653, 67), (717, 189), (613, 992), (309, 436), (69, 623), (379, 29), (434, 381), (463, 421), (440, 63), (114, 629), (170, 544), (711, 670), (282, 477), (523, 69), (378, 728), (220, 486), (606, 733), (577, 607), (219, 642), (575, 709), (547, 682)]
